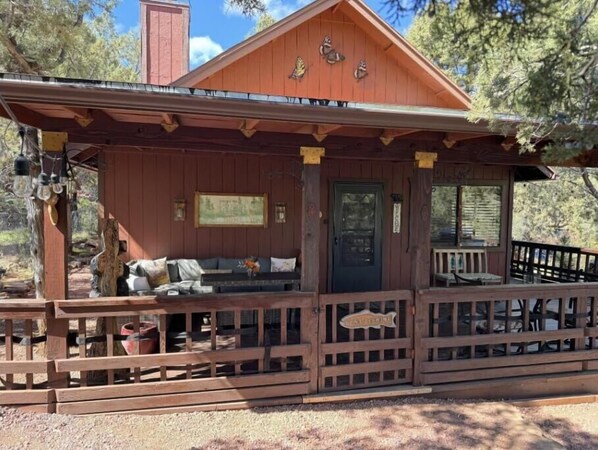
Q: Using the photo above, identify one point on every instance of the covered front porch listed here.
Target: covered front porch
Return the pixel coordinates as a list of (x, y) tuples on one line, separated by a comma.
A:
[(285, 347)]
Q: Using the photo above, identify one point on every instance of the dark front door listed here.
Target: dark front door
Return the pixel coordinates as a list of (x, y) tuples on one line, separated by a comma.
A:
[(357, 237)]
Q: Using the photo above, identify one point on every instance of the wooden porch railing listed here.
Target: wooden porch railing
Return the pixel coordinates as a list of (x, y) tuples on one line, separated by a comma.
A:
[(556, 263), (242, 350), (359, 358), (210, 350), (480, 333), (23, 369)]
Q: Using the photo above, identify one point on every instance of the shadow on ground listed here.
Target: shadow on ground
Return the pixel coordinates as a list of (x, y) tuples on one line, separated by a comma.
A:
[(412, 424)]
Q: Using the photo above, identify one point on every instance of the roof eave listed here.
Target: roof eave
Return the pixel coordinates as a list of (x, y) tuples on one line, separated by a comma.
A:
[(75, 95)]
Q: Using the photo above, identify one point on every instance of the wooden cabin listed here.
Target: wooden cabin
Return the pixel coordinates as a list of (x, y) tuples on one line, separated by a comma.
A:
[(365, 170)]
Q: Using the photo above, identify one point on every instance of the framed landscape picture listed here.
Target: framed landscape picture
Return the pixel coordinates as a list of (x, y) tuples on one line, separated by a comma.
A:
[(231, 210)]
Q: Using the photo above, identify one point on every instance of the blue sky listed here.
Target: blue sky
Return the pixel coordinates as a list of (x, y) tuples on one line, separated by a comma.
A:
[(216, 27)]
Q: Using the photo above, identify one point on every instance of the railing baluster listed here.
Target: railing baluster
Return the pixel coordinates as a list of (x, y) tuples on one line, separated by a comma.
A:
[(213, 340), (83, 348), (163, 336), (526, 323), (237, 319), (472, 326), (137, 332), (351, 339), (29, 350), (260, 337), (188, 342), (455, 326), (508, 323), (8, 332), (333, 326), (283, 336), (110, 344), (490, 326), (435, 328)]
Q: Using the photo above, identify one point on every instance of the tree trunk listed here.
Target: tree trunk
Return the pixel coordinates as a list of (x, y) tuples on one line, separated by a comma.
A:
[(35, 223), (106, 268)]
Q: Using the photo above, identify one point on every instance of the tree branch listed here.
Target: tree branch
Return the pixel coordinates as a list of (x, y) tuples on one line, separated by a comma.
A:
[(16, 55), (585, 175)]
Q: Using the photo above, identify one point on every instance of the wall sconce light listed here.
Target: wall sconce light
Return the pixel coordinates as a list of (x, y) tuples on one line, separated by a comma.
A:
[(280, 212), (180, 210), (397, 201)]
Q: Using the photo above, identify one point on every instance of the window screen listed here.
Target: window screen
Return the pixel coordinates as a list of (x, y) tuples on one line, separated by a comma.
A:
[(444, 215), (481, 216)]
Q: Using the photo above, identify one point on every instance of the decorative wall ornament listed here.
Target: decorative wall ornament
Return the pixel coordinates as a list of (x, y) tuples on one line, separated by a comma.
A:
[(362, 70), (231, 210), (368, 319), (299, 69), (329, 53)]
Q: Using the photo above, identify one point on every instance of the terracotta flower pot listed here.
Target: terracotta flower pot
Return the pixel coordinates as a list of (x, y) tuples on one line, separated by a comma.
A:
[(148, 337)]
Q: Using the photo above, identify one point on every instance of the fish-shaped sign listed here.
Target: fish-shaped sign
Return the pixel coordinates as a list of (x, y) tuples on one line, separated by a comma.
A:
[(368, 319)]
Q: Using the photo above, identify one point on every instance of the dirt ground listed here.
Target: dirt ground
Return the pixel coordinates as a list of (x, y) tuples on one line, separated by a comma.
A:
[(405, 423)]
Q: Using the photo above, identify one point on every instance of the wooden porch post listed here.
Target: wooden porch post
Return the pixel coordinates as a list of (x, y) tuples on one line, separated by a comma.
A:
[(310, 257), (55, 268), (420, 221), (310, 219)]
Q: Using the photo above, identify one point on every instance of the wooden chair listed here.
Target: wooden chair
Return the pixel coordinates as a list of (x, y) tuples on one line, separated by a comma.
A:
[(446, 261)]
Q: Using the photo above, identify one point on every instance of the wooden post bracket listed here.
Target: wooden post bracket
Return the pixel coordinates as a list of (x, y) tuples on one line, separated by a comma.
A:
[(247, 127), (425, 160), (312, 155), (54, 141), (169, 122)]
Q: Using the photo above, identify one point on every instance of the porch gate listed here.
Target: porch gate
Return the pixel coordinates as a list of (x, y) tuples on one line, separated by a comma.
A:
[(352, 358)]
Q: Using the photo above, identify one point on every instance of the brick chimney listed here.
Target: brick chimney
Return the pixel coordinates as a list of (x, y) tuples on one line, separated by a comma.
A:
[(164, 41)]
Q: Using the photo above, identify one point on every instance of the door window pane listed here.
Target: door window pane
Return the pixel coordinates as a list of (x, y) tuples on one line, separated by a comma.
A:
[(358, 229)]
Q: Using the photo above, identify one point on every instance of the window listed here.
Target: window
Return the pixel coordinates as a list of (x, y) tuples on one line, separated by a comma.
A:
[(466, 216)]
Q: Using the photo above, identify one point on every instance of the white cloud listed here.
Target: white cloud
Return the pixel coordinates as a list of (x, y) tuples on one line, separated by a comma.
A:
[(202, 49), (277, 8)]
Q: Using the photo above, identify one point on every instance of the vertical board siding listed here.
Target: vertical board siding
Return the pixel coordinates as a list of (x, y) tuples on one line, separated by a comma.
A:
[(267, 69), (139, 188)]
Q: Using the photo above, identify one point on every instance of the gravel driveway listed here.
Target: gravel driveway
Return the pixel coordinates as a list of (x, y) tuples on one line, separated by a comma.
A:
[(405, 423)]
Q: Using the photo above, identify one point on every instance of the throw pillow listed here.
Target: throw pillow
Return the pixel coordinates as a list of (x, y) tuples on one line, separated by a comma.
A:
[(189, 269), (283, 265), (156, 272), (173, 271), (265, 264), (136, 283)]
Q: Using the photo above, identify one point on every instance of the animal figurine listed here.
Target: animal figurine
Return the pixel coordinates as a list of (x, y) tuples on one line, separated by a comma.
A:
[(362, 71), (329, 53), (299, 69)]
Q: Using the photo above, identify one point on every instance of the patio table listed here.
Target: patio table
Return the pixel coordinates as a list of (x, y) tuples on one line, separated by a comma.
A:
[(486, 278), (290, 280)]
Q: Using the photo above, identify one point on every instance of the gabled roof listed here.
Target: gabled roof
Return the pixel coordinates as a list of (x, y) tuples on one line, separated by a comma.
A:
[(361, 13)]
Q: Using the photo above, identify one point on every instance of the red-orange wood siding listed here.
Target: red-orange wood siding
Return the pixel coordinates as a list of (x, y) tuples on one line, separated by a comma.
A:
[(267, 69), (139, 187)]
